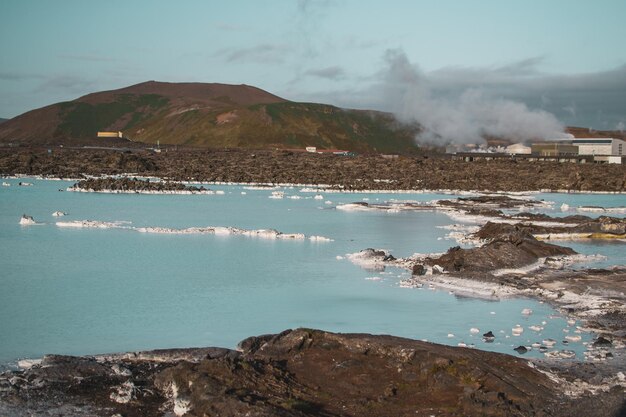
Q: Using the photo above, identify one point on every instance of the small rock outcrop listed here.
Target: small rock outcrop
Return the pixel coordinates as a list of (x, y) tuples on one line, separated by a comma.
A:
[(509, 246), (26, 220)]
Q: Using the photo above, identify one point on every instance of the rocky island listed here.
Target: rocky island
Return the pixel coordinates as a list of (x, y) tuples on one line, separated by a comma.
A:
[(125, 185)]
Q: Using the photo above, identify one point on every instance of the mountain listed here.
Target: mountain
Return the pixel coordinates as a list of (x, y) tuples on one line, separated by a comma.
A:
[(207, 115), (3, 120)]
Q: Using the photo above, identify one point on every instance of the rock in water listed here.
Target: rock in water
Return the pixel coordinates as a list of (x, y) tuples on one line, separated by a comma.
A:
[(508, 247), (27, 220), (419, 269), (602, 342), (521, 349)]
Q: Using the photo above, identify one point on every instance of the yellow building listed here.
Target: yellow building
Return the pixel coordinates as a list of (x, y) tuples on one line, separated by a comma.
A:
[(110, 135)]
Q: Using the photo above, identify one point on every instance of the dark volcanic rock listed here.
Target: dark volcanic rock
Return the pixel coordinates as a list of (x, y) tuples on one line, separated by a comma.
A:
[(603, 224), (492, 230), (295, 373), (489, 337), (419, 269), (521, 349), (509, 246), (499, 201), (602, 342), (360, 172), (134, 184)]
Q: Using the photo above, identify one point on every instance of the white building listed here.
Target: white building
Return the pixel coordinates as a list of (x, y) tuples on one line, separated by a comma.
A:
[(600, 146), (518, 149)]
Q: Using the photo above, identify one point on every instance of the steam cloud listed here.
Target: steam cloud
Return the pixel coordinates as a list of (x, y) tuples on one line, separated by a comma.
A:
[(466, 117)]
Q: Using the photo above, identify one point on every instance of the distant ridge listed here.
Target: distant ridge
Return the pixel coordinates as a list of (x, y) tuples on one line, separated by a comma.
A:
[(584, 132), (207, 93), (3, 120), (207, 115)]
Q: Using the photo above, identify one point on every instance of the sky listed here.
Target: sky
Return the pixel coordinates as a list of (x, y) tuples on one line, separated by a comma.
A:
[(451, 64)]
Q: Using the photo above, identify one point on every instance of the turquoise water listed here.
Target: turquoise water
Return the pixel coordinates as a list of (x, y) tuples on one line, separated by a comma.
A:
[(614, 252), (87, 291)]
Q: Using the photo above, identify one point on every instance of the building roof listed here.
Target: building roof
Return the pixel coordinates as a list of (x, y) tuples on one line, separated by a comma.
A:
[(594, 141)]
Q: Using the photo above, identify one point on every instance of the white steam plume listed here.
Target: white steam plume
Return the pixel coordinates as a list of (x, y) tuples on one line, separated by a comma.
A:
[(463, 118)]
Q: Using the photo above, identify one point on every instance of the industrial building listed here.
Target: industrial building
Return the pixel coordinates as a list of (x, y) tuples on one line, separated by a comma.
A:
[(576, 150), (554, 148), (600, 146)]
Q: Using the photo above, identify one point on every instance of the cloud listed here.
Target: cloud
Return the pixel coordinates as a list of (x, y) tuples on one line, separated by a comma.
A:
[(229, 27), (352, 42), (453, 100), (89, 58), (525, 67), (595, 99), (312, 6), (67, 84), (329, 73), (308, 26), (18, 76), (571, 109), (462, 116), (262, 53)]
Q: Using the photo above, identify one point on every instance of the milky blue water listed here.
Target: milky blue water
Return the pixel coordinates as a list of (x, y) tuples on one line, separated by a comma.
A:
[(87, 291)]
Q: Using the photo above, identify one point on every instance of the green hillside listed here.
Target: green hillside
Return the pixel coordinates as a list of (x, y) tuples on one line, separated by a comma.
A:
[(209, 115), (80, 119)]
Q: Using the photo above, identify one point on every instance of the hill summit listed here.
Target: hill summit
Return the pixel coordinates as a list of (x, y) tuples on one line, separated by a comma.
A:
[(207, 115)]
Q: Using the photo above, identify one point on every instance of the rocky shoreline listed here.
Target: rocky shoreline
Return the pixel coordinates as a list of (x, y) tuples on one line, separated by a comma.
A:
[(309, 373), (361, 172), (508, 259)]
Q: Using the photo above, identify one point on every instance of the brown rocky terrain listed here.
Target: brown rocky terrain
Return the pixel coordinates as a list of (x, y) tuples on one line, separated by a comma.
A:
[(133, 184), (509, 248), (304, 373), (353, 173)]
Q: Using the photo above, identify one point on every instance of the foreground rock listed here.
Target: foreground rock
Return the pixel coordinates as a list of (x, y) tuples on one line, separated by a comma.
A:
[(300, 373)]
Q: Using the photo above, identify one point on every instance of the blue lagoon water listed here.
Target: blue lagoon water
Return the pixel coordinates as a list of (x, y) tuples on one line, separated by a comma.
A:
[(86, 291)]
